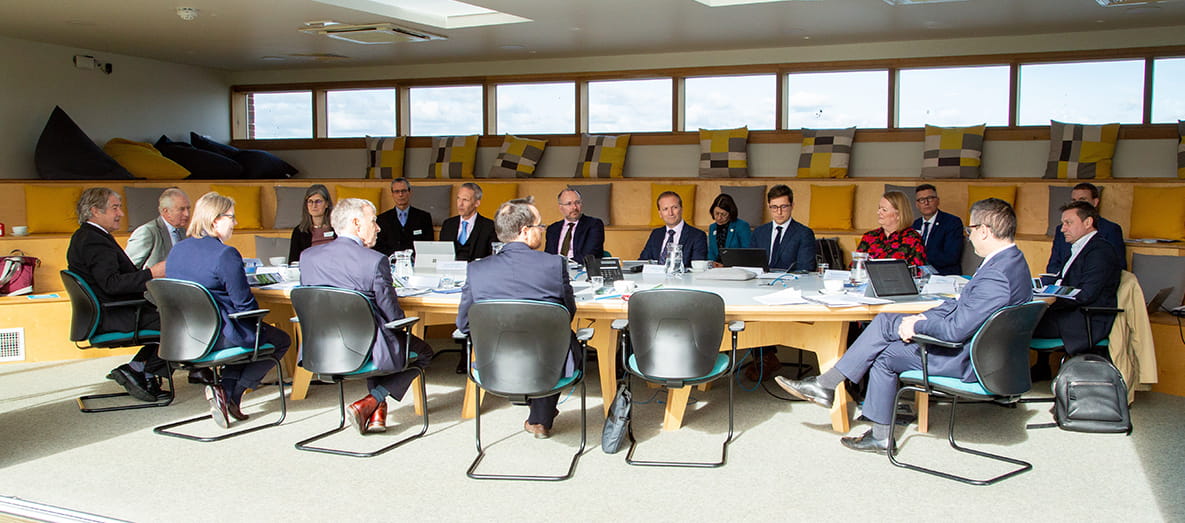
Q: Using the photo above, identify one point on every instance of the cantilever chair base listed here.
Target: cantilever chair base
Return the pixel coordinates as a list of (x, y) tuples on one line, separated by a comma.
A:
[(159, 403), (481, 453), (164, 430), (341, 394)]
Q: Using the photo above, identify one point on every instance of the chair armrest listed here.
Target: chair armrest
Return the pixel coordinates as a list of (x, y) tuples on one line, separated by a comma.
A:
[(1099, 310), (736, 326), (585, 334), (459, 336), (620, 324), (257, 313), (401, 324), (124, 303), (927, 340)]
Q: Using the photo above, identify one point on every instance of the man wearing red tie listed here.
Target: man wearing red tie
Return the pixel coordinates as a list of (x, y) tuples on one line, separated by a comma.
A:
[(577, 235)]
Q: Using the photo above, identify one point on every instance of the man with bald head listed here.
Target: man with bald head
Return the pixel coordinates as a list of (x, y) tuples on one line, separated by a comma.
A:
[(577, 235)]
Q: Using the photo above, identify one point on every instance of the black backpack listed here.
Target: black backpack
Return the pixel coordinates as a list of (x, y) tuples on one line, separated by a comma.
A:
[(1090, 396)]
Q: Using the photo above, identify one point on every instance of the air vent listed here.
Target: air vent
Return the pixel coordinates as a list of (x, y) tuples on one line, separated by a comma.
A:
[(370, 33), (12, 344)]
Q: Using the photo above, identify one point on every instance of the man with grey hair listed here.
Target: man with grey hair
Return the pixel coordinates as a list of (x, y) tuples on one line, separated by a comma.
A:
[(95, 256), (151, 242), (577, 235), (349, 262), (403, 225), (521, 272), (471, 233)]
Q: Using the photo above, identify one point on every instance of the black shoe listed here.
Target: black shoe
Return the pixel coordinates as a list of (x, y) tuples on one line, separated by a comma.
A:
[(866, 443), (808, 389), (133, 382), (203, 376), (152, 385), (462, 364), (1040, 372)]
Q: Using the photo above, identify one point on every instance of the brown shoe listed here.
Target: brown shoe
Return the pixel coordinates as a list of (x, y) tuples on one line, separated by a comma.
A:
[(537, 430), (378, 420), (769, 366), (358, 413), (235, 412)]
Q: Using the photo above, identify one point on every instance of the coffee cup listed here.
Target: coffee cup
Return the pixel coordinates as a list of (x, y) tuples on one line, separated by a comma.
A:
[(833, 285), (699, 265), (277, 261), (623, 286), (20, 230)]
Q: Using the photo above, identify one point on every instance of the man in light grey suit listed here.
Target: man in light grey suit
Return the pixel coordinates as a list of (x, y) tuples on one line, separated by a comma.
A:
[(348, 262), (884, 349), (150, 243)]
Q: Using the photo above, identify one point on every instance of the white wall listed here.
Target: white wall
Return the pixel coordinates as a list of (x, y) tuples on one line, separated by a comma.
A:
[(140, 100)]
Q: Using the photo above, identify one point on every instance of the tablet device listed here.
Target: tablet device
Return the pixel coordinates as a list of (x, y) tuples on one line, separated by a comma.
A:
[(428, 254), (744, 257), (891, 279)]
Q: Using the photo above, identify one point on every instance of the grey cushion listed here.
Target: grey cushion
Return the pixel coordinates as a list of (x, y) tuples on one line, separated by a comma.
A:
[(1157, 272), (289, 201), (436, 199), (750, 200), (910, 191), (141, 205), (596, 200), (1058, 196), (269, 247), (971, 261)]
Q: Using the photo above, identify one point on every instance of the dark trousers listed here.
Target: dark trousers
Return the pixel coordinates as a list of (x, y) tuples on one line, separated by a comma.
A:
[(543, 410), (397, 384), (239, 377)]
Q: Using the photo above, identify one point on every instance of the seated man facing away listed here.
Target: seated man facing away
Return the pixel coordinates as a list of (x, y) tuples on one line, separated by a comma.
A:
[(1109, 230), (577, 235), (693, 241), (349, 262), (94, 256), (521, 272), (884, 350), (790, 245)]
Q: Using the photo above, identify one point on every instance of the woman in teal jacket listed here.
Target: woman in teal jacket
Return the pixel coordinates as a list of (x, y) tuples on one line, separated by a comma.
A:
[(727, 231)]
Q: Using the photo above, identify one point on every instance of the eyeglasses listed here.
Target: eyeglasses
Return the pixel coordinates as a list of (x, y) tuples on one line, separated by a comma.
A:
[(926, 199), (227, 215), (569, 204), (400, 191), (971, 228), (539, 225), (316, 202), (783, 207)]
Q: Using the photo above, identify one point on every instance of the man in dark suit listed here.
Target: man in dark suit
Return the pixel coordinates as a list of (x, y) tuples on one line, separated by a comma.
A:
[(150, 243), (884, 350), (693, 241), (577, 235), (520, 272), (94, 255), (471, 233), (790, 245), (403, 225), (1109, 230), (942, 232), (348, 262)]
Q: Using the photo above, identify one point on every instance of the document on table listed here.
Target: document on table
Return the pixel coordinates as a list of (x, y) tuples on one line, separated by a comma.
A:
[(845, 300), (782, 297), (942, 284), (282, 286)]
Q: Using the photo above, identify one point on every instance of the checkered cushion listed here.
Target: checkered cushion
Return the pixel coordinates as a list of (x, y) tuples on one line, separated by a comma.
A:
[(826, 153), (724, 153), (453, 156), (1081, 151), (1180, 148), (952, 152), (602, 156), (384, 156), (518, 158)]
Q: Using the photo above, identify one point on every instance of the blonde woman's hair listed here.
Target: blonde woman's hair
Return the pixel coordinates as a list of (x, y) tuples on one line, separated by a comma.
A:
[(900, 202), (205, 211)]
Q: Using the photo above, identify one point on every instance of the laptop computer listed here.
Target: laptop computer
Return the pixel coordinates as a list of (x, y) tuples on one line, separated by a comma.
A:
[(428, 254), (744, 257), (891, 279), (1157, 302)]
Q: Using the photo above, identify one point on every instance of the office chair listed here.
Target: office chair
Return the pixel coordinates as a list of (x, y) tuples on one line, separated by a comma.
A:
[(338, 330), (672, 337), (191, 335), (518, 349), (86, 314), (1000, 360)]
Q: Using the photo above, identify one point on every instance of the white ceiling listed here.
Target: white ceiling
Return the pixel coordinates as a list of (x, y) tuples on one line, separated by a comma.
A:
[(237, 34)]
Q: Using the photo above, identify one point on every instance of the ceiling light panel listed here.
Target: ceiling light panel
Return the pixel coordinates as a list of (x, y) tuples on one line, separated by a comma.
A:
[(445, 14), (726, 3)]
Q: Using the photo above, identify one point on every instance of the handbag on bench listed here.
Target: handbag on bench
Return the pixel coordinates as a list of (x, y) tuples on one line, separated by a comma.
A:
[(16, 273)]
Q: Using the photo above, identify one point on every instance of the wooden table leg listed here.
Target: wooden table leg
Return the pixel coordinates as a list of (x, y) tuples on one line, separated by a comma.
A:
[(922, 400), (676, 406)]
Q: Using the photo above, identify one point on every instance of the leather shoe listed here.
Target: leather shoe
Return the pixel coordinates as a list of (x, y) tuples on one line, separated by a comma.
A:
[(360, 411), (235, 412), (866, 443), (152, 385), (218, 411), (537, 429), (133, 382), (378, 420), (808, 389), (202, 376)]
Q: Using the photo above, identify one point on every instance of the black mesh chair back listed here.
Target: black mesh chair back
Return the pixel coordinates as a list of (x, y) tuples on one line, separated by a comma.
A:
[(338, 328), (84, 307), (676, 333), (519, 346), (1000, 349), (190, 322)]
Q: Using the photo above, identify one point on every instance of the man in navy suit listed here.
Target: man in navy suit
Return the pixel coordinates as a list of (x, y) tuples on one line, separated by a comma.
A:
[(693, 241), (1109, 230), (577, 235), (403, 225), (520, 272), (349, 262), (789, 244), (884, 349), (942, 232), (471, 233)]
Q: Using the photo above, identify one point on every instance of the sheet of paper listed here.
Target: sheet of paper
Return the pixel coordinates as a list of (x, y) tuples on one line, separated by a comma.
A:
[(782, 297), (832, 274), (845, 300), (942, 284)]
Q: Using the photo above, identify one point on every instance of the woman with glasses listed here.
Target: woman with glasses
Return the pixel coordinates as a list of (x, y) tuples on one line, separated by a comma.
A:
[(314, 227), (727, 231), (205, 259), (894, 238)]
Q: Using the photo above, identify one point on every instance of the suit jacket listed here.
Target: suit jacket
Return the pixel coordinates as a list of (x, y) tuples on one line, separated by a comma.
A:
[(797, 250), (519, 273), (478, 245), (395, 237), (346, 264), (944, 245), (739, 235), (1109, 230), (589, 238), (96, 257), (219, 268), (1095, 272), (693, 241), (150, 243)]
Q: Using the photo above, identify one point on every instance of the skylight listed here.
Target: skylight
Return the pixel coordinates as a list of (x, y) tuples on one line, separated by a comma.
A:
[(445, 14)]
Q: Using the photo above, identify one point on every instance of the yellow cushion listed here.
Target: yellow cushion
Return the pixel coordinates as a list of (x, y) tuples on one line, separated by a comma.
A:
[(685, 191), (495, 194), (143, 160), (518, 158), (831, 207), (825, 153), (453, 156), (51, 208), (373, 194), (1081, 151), (247, 208), (1158, 212), (602, 156), (724, 153), (384, 156)]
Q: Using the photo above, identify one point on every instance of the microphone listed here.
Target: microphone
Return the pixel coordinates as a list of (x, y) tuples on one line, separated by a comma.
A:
[(784, 274)]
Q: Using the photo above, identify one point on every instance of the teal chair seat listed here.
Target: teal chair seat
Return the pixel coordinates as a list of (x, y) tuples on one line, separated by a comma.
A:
[(230, 353), (947, 383), (121, 337), (370, 368), (718, 370), (564, 382)]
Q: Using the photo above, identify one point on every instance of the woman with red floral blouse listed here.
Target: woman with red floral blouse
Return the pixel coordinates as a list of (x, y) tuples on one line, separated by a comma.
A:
[(895, 238)]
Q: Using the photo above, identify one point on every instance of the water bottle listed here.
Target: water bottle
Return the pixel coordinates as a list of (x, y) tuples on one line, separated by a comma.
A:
[(401, 267), (674, 265), (859, 267)]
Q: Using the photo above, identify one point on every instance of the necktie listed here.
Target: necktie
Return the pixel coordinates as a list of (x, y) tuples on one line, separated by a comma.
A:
[(464, 236), (566, 245), (925, 232), (177, 236), (666, 246), (402, 215), (777, 243)]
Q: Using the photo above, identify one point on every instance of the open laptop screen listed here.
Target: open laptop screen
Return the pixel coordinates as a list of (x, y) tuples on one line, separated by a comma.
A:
[(743, 257), (428, 254), (891, 278)]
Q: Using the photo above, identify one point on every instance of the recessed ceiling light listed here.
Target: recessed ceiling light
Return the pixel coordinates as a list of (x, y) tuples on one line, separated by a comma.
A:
[(919, 2), (726, 3), (272, 58), (446, 14)]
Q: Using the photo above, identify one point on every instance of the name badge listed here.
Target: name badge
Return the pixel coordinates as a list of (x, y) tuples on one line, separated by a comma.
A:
[(418, 231), (328, 234)]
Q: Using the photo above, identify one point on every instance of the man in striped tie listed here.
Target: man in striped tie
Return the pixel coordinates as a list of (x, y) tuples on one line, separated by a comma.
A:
[(577, 235)]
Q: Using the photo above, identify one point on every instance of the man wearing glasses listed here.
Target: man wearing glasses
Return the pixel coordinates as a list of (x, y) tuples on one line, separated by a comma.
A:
[(403, 224), (790, 245), (942, 232), (577, 235)]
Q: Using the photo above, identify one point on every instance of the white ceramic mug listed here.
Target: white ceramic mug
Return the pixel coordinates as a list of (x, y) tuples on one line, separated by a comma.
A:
[(277, 261), (699, 265), (20, 230), (833, 285)]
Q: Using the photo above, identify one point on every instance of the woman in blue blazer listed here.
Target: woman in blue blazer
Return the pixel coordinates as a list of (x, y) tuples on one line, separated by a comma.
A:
[(727, 231), (205, 259)]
